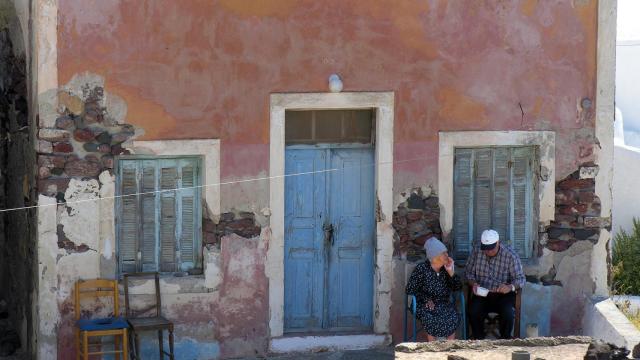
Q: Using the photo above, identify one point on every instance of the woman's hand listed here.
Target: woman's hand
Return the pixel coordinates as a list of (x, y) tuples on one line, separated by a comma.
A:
[(449, 266), (430, 305)]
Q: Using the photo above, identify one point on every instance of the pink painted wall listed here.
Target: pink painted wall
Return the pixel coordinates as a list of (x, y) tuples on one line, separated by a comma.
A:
[(202, 69)]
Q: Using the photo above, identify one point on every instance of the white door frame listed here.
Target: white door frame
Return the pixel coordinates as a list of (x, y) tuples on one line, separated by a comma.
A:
[(383, 103)]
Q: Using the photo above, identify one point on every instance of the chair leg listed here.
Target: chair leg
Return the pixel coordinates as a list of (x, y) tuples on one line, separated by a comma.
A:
[(77, 333), (171, 343), (85, 346), (137, 345), (125, 345), (116, 346), (160, 344)]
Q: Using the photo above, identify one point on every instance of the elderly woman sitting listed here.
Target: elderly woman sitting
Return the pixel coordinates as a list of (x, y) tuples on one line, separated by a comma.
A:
[(432, 283)]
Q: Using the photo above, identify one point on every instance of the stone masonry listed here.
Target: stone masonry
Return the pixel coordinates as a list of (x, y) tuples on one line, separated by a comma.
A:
[(415, 221), (82, 145)]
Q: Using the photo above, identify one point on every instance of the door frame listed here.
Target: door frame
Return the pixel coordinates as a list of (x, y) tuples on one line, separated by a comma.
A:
[(383, 103)]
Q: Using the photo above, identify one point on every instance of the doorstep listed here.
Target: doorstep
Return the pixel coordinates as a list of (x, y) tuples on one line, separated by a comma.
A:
[(289, 344)]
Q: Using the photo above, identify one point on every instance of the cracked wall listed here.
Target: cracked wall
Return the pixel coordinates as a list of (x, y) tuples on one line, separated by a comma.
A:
[(188, 79)]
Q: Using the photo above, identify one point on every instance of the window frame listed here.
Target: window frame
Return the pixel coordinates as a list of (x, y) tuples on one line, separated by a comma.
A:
[(533, 192), (198, 193)]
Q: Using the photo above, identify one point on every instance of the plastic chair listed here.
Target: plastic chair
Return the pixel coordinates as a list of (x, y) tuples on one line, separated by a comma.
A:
[(410, 308), (115, 325)]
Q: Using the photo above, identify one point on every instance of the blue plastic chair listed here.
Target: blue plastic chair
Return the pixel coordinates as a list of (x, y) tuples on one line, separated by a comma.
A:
[(410, 308)]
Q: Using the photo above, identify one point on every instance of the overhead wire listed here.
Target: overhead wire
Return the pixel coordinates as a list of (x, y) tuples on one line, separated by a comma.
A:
[(113, 197)]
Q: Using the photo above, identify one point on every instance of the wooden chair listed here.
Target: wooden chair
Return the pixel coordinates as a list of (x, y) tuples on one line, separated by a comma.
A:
[(87, 328), (493, 317), (148, 323)]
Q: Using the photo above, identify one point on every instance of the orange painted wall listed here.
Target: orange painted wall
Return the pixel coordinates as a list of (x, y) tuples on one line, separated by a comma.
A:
[(205, 68)]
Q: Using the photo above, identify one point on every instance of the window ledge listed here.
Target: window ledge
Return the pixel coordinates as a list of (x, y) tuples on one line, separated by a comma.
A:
[(169, 284)]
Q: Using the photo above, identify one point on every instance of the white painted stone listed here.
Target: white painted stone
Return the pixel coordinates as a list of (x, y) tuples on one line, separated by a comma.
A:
[(603, 320), (315, 343), (383, 102), (604, 127), (208, 148), (53, 134), (212, 270), (81, 218), (48, 314), (116, 108), (588, 172), (448, 141), (44, 147), (107, 216)]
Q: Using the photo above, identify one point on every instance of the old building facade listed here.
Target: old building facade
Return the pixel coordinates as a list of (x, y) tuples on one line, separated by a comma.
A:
[(201, 139)]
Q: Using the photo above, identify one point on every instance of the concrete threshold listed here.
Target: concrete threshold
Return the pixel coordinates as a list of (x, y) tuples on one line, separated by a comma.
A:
[(290, 344)]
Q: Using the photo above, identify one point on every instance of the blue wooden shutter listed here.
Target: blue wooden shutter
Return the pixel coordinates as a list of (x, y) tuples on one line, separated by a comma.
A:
[(501, 191), (190, 225), (521, 200), (483, 183), (129, 228), (168, 220), (462, 199), (148, 247)]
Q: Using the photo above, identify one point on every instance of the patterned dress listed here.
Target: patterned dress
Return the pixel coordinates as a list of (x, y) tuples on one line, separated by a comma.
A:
[(427, 284)]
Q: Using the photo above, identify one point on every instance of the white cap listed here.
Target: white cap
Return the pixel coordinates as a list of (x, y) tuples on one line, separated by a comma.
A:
[(489, 239)]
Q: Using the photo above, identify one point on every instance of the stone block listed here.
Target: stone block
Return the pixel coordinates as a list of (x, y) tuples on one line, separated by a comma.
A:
[(70, 102), (417, 227), (53, 134), (576, 184), (596, 222), (107, 161), (82, 168), (62, 147), (588, 172), (65, 122), (90, 147), (104, 137), (120, 137), (584, 234), (414, 215), (226, 217), (104, 148), (43, 172), (51, 161), (558, 245), (587, 197), (83, 135), (44, 147), (51, 187), (560, 233)]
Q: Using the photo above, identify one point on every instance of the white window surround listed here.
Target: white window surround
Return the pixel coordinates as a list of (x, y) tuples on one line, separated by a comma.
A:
[(449, 141), (210, 151), (383, 103)]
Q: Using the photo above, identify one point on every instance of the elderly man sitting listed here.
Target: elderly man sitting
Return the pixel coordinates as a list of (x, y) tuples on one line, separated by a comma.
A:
[(495, 273)]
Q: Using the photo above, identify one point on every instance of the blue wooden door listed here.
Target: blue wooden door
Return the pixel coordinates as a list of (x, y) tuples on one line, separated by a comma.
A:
[(329, 239), (305, 209), (350, 276)]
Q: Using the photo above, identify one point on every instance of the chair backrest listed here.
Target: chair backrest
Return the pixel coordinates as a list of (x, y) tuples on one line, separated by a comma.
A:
[(132, 313), (97, 288)]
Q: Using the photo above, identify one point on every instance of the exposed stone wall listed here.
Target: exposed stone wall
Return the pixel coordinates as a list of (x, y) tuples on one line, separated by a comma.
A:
[(17, 228), (577, 216), (414, 221), (82, 145), (243, 224)]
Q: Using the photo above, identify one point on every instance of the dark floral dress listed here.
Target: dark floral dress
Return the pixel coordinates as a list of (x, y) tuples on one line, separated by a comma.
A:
[(427, 284)]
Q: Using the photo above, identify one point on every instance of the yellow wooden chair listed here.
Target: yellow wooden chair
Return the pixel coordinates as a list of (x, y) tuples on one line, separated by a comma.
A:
[(86, 328)]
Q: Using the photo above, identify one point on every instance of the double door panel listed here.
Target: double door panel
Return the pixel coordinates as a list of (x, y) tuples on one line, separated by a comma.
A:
[(329, 239)]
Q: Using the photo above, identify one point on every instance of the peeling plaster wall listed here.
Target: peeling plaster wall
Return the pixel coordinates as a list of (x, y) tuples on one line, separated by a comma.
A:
[(452, 66), (207, 70)]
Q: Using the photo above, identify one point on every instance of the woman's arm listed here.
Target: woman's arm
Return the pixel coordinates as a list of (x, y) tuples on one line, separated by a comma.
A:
[(415, 287), (454, 282)]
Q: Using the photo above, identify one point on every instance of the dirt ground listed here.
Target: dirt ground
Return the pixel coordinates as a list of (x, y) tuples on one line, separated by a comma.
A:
[(561, 348)]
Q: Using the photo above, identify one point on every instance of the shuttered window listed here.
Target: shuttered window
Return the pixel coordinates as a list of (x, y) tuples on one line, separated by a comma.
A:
[(158, 214), (494, 189)]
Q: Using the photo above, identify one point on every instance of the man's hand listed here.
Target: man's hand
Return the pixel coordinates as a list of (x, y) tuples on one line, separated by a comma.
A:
[(503, 289), (430, 305), (475, 289)]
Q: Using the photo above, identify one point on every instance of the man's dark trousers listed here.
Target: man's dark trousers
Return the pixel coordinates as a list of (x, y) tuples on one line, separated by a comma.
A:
[(502, 304)]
